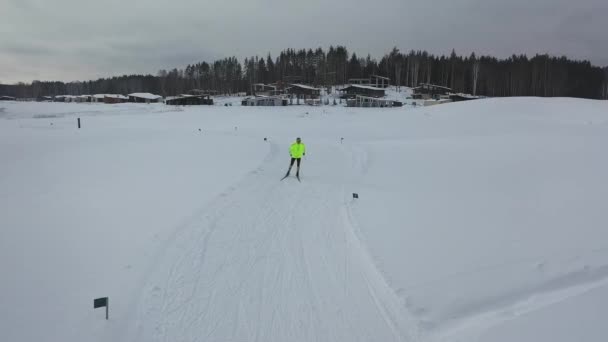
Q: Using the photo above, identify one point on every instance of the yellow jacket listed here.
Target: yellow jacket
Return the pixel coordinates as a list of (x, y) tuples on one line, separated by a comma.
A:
[(297, 150)]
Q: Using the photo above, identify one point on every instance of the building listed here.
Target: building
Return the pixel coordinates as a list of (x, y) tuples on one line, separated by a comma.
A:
[(70, 98), (360, 81), (83, 98), (427, 91), (462, 97), (144, 98), (109, 98), (351, 91), (265, 101), (379, 81), (367, 101), (59, 98), (301, 91), (98, 98), (266, 89), (7, 98), (313, 102), (373, 81), (190, 100), (115, 98)]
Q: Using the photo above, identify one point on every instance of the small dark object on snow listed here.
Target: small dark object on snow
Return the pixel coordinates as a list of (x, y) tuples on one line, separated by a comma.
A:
[(355, 195), (265, 139), (199, 130)]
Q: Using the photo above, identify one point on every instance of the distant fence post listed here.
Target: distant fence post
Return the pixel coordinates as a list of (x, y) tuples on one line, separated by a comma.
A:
[(78, 123)]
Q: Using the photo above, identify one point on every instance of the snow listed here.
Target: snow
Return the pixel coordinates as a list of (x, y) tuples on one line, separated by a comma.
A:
[(146, 96), (363, 87), (114, 96), (303, 86), (117, 96), (476, 221)]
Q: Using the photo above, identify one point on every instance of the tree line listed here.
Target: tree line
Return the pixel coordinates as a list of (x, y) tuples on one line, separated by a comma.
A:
[(518, 75)]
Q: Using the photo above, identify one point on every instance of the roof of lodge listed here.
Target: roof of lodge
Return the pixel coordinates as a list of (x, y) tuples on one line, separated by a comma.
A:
[(432, 85), (362, 87), (146, 96), (303, 86)]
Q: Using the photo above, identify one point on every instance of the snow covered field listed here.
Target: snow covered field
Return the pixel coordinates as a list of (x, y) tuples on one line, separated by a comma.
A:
[(477, 221)]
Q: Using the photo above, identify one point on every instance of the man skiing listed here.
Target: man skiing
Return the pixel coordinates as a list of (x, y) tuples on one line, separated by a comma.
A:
[(297, 150)]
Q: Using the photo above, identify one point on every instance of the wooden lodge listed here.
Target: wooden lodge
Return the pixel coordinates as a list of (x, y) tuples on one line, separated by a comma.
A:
[(360, 81), (367, 101), (98, 98), (463, 97), (83, 98), (354, 90), (144, 98), (301, 91), (428, 91), (115, 98), (372, 81), (379, 81), (265, 101), (190, 100), (266, 89)]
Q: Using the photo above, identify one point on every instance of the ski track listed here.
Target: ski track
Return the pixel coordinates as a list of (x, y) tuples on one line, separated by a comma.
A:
[(475, 316), (272, 261), (523, 301)]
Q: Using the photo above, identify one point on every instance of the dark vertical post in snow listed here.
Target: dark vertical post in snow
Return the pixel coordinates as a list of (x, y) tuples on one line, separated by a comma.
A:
[(107, 308), (78, 123)]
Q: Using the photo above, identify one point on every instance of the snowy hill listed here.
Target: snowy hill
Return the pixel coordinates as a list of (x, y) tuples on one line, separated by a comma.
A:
[(476, 221)]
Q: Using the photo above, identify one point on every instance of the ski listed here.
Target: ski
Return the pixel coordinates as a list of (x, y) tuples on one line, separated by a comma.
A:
[(286, 175)]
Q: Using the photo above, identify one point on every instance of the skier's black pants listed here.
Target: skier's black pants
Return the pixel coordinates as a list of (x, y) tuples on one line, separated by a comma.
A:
[(293, 160)]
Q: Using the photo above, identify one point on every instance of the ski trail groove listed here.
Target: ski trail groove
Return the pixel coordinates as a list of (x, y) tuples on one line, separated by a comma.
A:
[(272, 261)]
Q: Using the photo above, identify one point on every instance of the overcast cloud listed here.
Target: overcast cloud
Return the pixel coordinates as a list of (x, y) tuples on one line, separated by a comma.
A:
[(80, 39)]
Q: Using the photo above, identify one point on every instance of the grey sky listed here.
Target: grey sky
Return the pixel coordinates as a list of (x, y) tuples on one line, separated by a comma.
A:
[(81, 39)]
